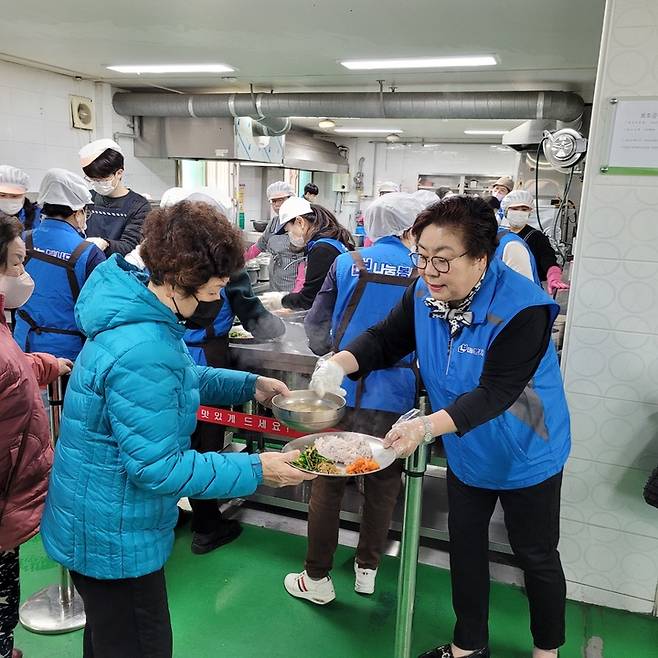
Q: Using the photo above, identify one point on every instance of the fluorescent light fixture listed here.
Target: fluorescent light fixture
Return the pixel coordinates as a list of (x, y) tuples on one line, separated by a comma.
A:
[(327, 123), (419, 63), (486, 132), (172, 68), (373, 131)]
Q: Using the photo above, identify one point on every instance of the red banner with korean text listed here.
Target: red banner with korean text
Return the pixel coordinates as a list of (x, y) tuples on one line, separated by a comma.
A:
[(254, 423)]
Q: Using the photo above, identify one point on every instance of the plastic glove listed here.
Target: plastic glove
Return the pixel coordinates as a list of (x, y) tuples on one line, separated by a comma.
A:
[(406, 436), (99, 242), (327, 377), (277, 471), (272, 300), (554, 280), (267, 388)]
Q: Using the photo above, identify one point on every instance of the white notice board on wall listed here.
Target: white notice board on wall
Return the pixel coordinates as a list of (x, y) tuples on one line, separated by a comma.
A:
[(633, 138)]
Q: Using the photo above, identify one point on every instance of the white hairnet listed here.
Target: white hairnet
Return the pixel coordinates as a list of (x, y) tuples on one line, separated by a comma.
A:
[(388, 186), (517, 198), (279, 189), (202, 197), (172, 196), (13, 180), (64, 188), (426, 197), (175, 195), (89, 152), (391, 214)]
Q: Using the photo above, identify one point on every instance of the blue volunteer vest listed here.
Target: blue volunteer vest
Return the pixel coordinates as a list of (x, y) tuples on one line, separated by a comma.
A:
[(505, 236), (36, 219), (370, 283), (195, 339), (333, 242), (57, 258), (530, 441)]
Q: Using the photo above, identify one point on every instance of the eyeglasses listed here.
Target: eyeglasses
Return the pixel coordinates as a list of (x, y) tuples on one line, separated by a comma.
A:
[(91, 181), (441, 265)]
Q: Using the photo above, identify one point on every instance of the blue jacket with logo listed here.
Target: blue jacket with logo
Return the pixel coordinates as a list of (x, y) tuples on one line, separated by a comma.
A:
[(196, 338), (505, 236), (123, 458), (366, 294), (530, 441), (59, 260)]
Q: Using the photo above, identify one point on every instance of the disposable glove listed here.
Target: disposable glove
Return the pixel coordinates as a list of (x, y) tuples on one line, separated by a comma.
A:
[(99, 242), (272, 300), (554, 280), (404, 437), (327, 377)]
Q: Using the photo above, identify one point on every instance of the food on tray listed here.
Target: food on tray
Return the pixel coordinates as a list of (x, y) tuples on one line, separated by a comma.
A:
[(239, 333), (361, 465), (311, 460), (342, 450)]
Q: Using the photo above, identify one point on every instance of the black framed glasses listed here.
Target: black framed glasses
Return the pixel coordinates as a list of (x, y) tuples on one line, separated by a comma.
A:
[(440, 264)]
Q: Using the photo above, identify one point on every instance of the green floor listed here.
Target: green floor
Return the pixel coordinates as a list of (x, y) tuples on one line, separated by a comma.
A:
[(231, 603)]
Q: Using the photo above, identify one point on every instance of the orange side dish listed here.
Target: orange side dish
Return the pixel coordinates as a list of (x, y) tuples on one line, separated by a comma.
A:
[(361, 465)]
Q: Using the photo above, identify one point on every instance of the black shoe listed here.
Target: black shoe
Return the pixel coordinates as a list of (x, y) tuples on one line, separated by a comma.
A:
[(445, 651), (225, 533), (183, 517)]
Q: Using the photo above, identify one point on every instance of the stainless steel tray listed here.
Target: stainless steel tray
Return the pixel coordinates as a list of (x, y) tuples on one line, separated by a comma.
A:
[(383, 456)]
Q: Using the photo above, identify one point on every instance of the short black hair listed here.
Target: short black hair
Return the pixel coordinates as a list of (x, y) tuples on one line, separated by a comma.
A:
[(106, 164), (10, 229), (55, 210), (471, 216), (492, 201), (311, 188)]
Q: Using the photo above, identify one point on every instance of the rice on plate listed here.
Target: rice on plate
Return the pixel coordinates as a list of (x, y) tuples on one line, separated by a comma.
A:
[(342, 450)]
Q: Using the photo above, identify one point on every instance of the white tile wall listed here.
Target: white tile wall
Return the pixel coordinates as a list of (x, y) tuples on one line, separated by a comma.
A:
[(36, 132), (610, 360)]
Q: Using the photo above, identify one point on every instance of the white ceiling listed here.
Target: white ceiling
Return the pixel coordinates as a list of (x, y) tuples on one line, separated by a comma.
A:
[(294, 45)]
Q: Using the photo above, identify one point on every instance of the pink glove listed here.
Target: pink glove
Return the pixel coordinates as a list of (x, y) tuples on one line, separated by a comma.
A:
[(554, 280), (301, 277), (252, 252)]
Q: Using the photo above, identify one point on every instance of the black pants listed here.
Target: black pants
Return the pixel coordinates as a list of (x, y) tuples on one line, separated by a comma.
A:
[(532, 518), (128, 617), (9, 597)]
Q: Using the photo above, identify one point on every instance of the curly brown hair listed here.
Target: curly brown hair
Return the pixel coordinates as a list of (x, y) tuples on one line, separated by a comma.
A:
[(188, 243)]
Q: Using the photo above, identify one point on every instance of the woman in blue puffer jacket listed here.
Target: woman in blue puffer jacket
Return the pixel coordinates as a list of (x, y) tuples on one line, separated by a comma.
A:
[(123, 458)]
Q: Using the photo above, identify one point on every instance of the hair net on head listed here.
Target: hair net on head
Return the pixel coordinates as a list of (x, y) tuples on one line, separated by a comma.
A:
[(13, 180), (388, 186), (202, 197), (64, 188), (279, 189), (426, 197), (172, 196), (517, 198), (391, 214), (91, 151)]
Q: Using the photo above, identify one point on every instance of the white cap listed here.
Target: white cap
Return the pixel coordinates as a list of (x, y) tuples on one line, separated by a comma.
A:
[(91, 151), (426, 197), (13, 180), (64, 188), (388, 186), (279, 189), (392, 214), (517, 198), (291, 208)]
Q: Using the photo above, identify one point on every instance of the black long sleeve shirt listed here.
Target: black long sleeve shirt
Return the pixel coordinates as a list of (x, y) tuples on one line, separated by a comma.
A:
[(510, 362), (541, 249)]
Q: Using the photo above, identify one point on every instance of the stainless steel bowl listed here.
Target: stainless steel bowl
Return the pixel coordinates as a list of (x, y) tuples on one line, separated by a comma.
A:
[(325, 413)]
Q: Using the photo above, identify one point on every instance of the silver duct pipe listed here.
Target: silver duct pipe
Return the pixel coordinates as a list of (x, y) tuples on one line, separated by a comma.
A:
[(270, 126), (555, 105)]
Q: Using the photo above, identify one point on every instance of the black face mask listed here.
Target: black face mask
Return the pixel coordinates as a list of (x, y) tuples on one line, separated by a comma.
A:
[(203, 316)]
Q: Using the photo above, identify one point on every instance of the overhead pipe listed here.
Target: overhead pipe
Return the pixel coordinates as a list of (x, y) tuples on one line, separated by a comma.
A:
[(554, 105)]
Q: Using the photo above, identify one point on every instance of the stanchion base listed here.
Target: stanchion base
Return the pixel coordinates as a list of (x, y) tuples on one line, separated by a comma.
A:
[(45, 613)]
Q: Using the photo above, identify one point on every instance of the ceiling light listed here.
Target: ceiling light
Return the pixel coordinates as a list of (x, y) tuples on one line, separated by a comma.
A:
[(327, 123), (373, 131), (392, 138), (419, 63), (172, 68), (486, 132)]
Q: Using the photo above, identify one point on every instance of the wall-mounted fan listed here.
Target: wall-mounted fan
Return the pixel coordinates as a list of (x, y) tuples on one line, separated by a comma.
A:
[(564, 148), (82, 113)]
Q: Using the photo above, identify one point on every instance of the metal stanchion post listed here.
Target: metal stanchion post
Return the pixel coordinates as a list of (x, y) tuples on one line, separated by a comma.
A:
[(415, 467), (57, 608)]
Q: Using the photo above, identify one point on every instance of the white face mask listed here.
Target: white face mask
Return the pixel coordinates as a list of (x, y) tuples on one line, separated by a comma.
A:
[(105, 187), (518, 218), (16, 289), (296, 241), (11, 206)]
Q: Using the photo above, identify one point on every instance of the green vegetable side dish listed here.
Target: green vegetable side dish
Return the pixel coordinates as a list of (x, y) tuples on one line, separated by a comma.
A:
[(311, 460)]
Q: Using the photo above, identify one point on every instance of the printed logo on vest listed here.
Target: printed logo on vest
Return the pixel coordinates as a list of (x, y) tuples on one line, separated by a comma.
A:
[(383, 268), (467, 349)]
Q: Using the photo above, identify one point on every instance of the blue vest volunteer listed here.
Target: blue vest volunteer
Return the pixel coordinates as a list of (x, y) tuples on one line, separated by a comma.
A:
[(505, 236), (332, 241), (379, 274), (195, 339), (57, 258), (36, 219), (530, 441)]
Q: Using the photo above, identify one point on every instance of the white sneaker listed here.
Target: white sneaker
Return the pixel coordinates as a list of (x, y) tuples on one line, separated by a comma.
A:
[(364, 583), (301, 586)]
